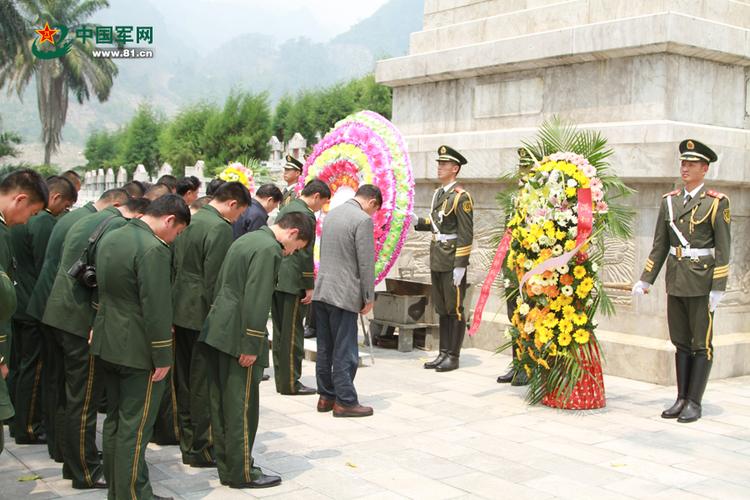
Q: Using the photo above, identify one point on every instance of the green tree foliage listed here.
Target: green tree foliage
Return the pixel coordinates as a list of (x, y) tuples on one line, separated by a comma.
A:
[(242, 128), (102, 149), (140, 142), (280, 116), (182, 140)]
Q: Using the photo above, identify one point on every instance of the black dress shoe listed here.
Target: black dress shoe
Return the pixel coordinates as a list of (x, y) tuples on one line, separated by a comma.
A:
[(690, 413), (203, 464), (310, 333), (507, 378), (99, 485), (675, 410), (157, 497), (42, 439), (265, 377), (264, 481), (448, 364), (303, 390), (431, 365)]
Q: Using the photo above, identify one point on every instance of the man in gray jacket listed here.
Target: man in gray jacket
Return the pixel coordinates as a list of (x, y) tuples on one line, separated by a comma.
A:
[(345, 287)]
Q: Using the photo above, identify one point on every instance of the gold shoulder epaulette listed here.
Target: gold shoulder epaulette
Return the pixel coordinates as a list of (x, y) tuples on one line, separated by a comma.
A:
[(671, 193), (715, 194)]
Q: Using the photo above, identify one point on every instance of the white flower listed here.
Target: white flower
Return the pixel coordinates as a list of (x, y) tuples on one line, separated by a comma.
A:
[(595, 322), (573, 232), (535, 247), (567, 290), (519, 301), (544, 241), (528, 264), (557, 250), (529, 327), (563, 269), (594, 266), (506, 283), (524, 309), (571, 183)]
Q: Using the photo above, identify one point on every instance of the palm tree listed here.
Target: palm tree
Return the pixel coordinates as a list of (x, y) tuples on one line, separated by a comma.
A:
[(12, 29), (77, 71)]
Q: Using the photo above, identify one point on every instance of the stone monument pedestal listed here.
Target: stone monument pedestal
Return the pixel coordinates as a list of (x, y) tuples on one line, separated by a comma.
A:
[(483, 74)]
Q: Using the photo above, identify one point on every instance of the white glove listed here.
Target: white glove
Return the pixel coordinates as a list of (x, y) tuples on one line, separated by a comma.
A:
[(641, 288), (714, 297), (458, 275), (413, 219)]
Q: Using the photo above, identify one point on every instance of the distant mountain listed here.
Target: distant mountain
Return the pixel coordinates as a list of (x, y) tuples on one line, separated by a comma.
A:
[(180, 73)]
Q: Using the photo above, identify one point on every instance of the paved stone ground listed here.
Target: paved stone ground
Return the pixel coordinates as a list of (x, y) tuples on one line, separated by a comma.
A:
[(461, 435)]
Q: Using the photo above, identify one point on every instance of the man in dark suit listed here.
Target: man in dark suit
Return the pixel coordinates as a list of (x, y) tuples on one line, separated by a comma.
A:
[(255, 216)]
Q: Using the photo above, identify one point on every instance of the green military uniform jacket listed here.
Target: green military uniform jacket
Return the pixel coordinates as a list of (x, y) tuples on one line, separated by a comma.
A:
[(29, 245), (7, 264), (133, 326), (7, 307), (297, 271), (451, 221), (199, 252), (71, 307), (43, 285), (705, 224), (289, 194), (236, 323)]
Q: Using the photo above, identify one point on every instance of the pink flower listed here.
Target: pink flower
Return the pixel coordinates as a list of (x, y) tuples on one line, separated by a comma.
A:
[(601, 206)]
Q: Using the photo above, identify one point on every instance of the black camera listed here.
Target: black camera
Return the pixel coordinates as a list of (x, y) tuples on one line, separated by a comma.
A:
[(84, 273)]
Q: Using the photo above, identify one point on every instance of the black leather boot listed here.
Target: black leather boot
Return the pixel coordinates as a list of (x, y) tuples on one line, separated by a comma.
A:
[(444, 338), (699, 372), (507, 378), (682, 362), (457, 332)]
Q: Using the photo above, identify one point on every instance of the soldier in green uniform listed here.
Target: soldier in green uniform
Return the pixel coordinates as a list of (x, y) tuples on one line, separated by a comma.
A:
[(234, 343), (29, 245), (292, 171), (70, 313), (23, 193), (293, 294), (198, 254), (693, 236), (451, 222), (132, 336), (53, 379), (7, 306)]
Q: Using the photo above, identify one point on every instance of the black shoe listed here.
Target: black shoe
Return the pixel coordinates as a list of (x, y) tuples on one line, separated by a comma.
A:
[(99, 485), (520, 379), (202, 464), (310, 333), (41, 439), (265, 377), (303, 390), (431, 365), (157, 497), (674, 410), (507, 378), (690, 413), (450, 363), (264, 481)]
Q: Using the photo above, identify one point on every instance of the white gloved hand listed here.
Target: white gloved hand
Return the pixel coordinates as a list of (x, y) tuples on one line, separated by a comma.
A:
[(714, 297), (413, 219), (641, 288), (458, 275)]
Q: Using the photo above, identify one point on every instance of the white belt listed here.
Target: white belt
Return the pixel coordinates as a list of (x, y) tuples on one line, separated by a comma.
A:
[(693, 253), (442, 238)]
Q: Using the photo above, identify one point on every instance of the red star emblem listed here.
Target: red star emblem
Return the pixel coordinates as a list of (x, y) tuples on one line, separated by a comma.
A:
[(47, 34)]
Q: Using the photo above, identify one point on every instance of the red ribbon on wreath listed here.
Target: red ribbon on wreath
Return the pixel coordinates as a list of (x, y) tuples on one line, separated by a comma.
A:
[(497, 265)]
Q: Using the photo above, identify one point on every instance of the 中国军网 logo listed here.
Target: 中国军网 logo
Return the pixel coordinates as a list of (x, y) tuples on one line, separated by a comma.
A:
[(53, 41)]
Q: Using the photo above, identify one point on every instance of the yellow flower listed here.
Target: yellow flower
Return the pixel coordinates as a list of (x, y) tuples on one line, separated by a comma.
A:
[(570, 192), (555, 305), (570, 245), (528, 370), (543, 363), (579, 272), (582, 292), (560, 235), (564, 339), (588, 283), (543, 335), (565, 326), (581, 336), (550, 320), (553, 349), (568, 311), (580, 319)]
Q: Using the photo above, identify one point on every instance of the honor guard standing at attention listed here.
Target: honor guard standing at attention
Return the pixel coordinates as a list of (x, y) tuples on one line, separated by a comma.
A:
[(29, 245), (54, 374), (292, 171), (198, 254), (293, 293), (451, 221), (132, 337), (23, 193), (693, 236), (234, 344)]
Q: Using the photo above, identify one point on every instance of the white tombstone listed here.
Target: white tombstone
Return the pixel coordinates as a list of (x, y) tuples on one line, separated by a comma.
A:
[(140, 174), (109, 179), (277, 149), (100, 180), (122, 177), (165, 169), (296, 146)]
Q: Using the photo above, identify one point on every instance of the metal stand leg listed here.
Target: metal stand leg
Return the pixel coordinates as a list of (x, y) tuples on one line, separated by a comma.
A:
[(369, 338)]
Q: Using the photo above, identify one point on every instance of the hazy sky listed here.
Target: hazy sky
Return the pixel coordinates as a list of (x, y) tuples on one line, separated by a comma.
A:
[(319, 20)]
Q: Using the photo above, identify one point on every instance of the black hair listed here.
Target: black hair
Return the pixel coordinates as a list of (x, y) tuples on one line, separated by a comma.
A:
[(299, 221), (269, 191), (316, 186), (370, 192), (62, 185), (213, 186), (116, 195), (196, 181), (233, 191), (157, 191), (201, 202), (27, 181), (168, 180), (170, 204), (138, 205), (74, 177), (135, 189), (185, 184)]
